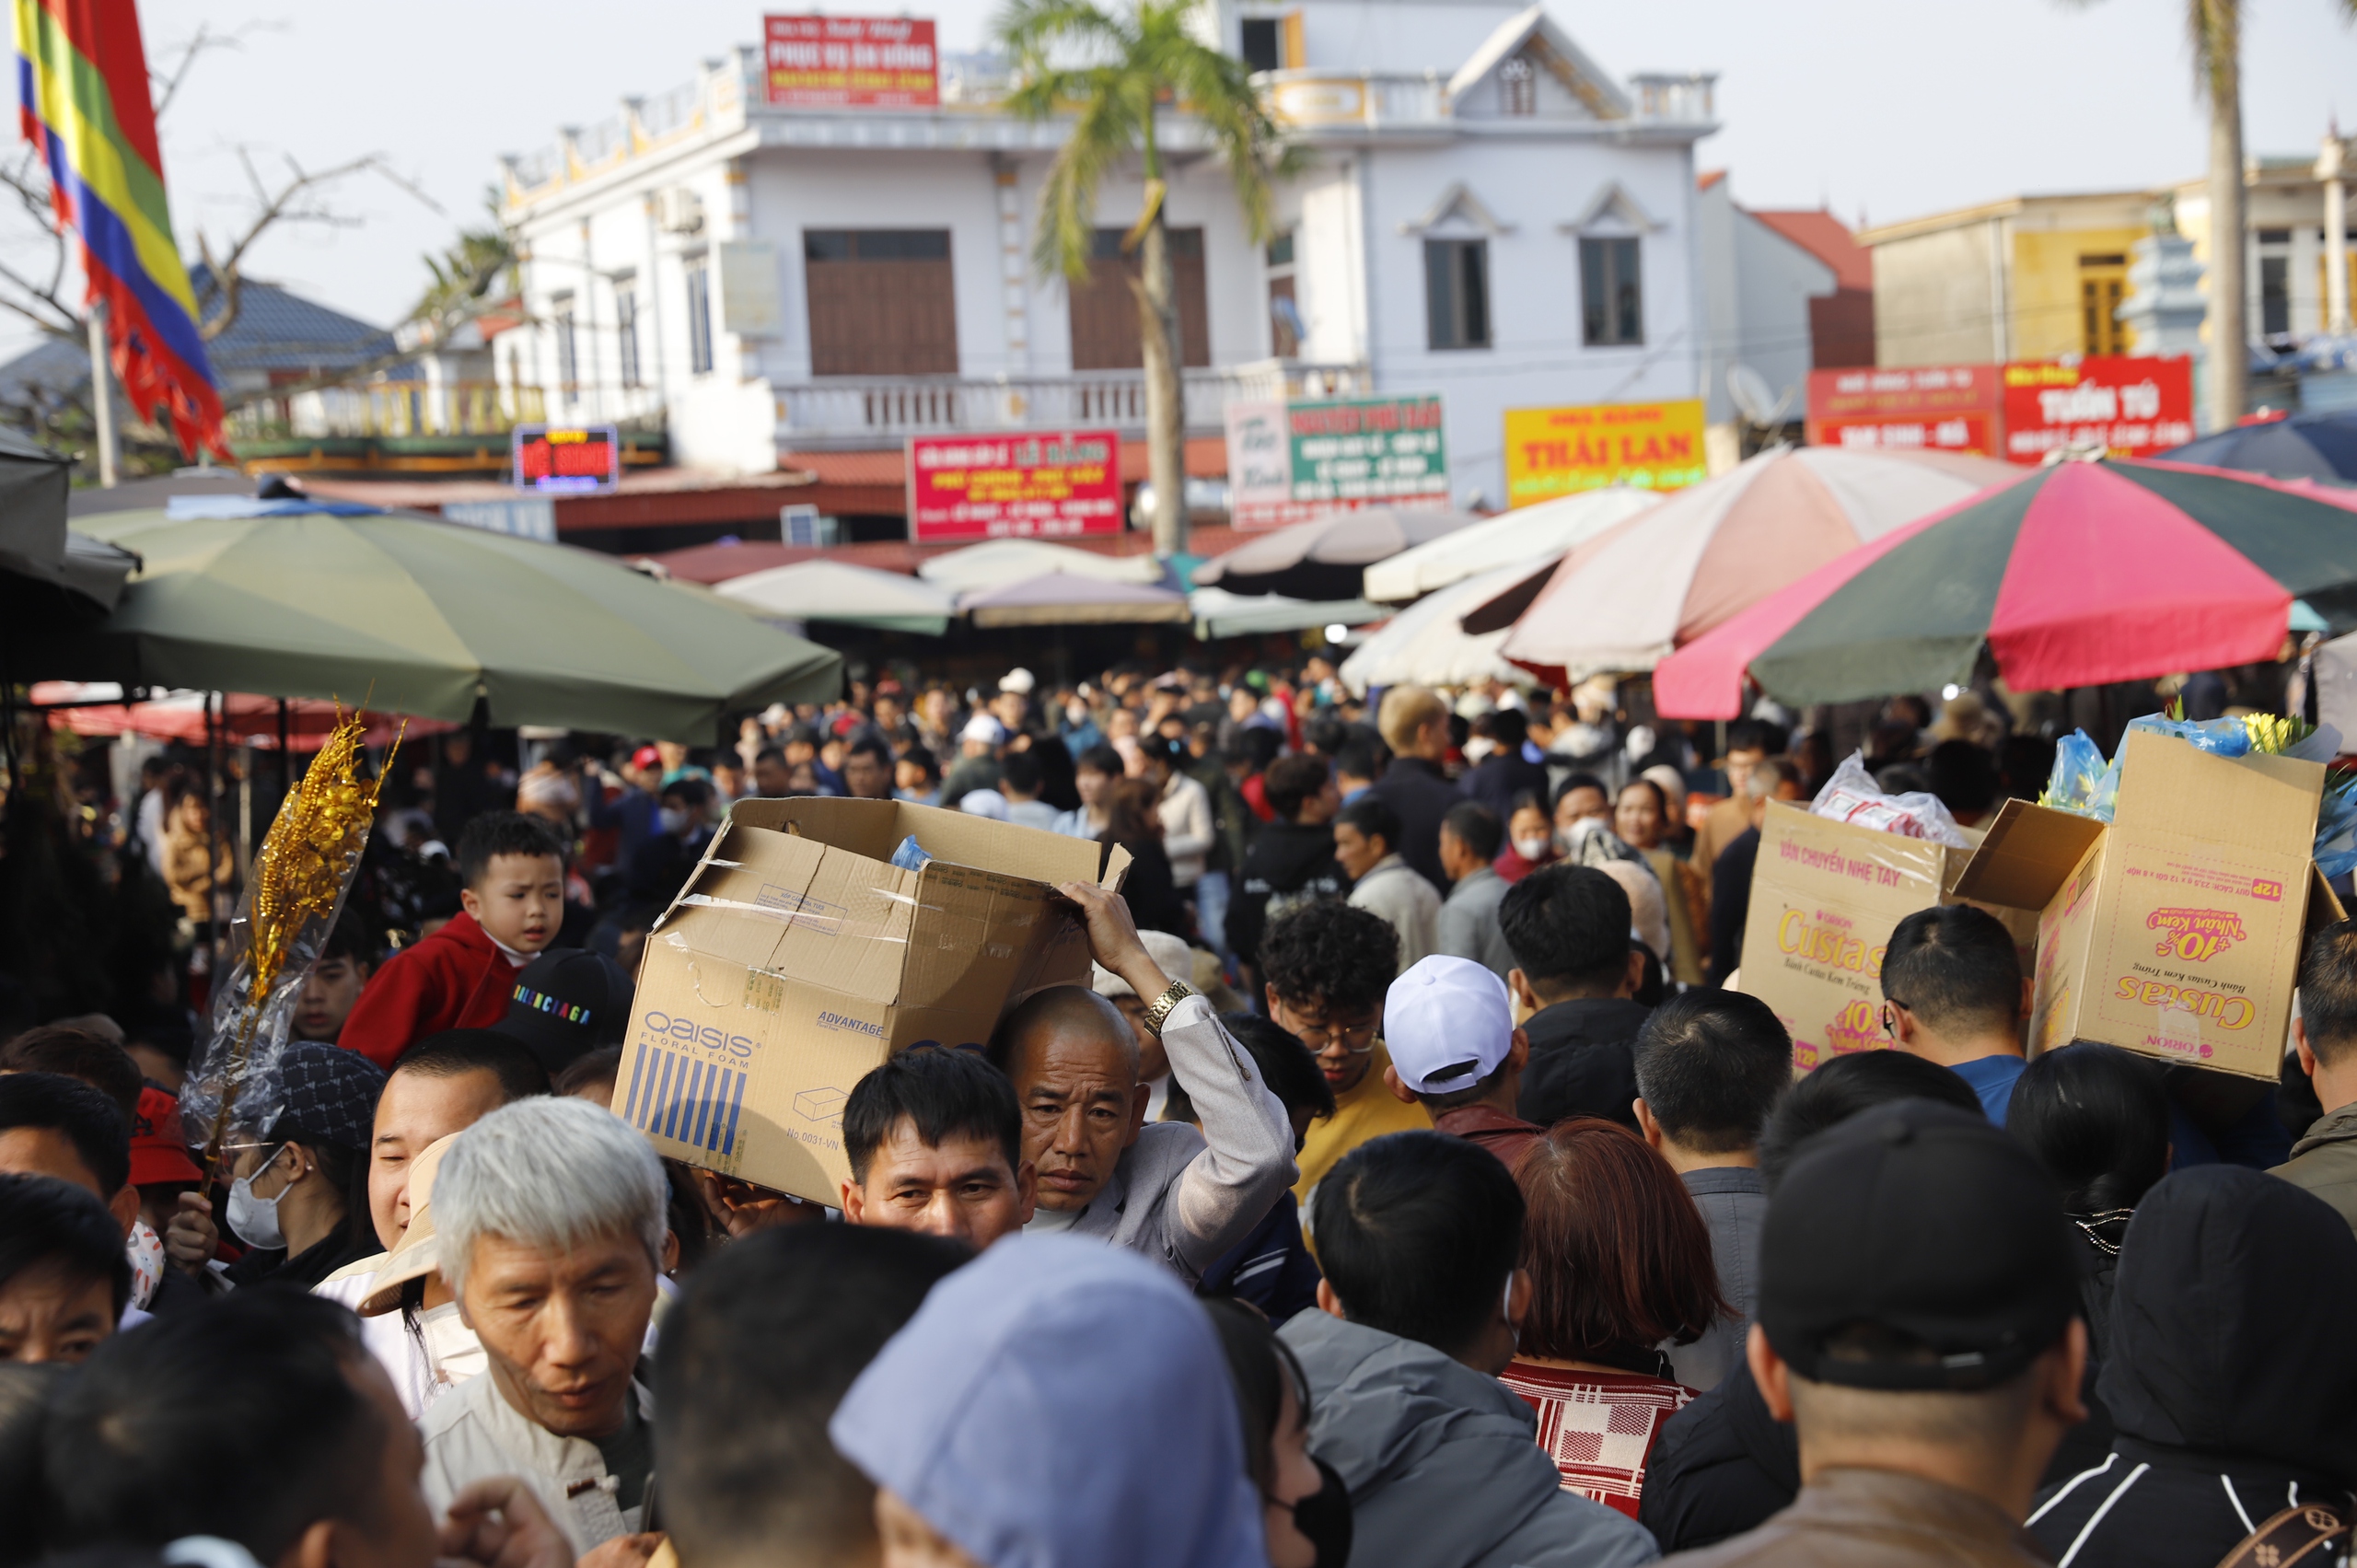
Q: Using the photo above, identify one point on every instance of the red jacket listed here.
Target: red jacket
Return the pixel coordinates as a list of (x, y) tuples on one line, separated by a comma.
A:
[(456, 979)]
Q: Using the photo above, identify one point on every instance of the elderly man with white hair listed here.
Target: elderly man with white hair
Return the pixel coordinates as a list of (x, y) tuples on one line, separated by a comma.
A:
[(551, 1224)]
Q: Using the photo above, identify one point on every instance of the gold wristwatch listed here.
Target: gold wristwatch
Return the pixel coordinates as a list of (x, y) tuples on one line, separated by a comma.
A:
[(1160, 1010)]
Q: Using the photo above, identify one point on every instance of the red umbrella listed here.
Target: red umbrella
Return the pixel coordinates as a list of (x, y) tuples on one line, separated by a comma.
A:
[(2075, 574)]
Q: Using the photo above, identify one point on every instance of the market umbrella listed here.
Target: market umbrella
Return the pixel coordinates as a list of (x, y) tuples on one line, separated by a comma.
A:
[(998, 561), (1425, 644), (2307, 446), (2078, 574), (1546, 529), (835, 590), (1326, 557), (412, 614), (1058, 598), (1622, 601), (50, 575), (241, 718), (1219, 614)]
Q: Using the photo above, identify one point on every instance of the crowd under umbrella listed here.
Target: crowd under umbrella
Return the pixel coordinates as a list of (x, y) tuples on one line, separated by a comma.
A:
[(411, 614), (1060, 598), (2079, 574), (1326, 557), (1522, 537), (1623, 601), (2305, 446), (1425, 645), (839, 592)]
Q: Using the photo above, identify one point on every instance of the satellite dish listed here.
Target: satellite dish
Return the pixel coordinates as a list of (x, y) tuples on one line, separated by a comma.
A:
[(1753, 398)]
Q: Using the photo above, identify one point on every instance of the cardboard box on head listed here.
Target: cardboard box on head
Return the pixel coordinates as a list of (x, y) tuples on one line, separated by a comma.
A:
[(2176, 930), (798, 957), (1825, 897)]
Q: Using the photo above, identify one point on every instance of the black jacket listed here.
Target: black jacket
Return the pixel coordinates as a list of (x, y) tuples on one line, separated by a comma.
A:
[(1582, 1061), (1422, 794), (2232, 1377), (1720, 1467), (1730, 901), (1495, 782), (1290, 861)]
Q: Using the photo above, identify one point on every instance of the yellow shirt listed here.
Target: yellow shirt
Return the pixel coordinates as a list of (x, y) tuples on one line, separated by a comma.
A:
[(1367, 1111)]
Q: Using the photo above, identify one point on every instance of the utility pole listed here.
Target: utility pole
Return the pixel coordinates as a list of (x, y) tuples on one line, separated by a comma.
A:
[(101, 394)]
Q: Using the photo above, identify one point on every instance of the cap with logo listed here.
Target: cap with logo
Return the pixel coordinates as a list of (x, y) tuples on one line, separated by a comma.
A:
[(1933, 1232), (1448, 1023), (158, 1147), (566, 1003)]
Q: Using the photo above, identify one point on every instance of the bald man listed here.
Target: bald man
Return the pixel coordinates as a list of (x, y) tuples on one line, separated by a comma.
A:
[(1181, 1196)]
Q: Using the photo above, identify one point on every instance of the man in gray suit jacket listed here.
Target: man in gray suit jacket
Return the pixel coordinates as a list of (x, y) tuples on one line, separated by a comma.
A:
[(1181, 1196)]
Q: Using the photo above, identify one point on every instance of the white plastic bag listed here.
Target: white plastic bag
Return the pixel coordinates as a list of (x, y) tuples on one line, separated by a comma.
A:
[(1850, 795)]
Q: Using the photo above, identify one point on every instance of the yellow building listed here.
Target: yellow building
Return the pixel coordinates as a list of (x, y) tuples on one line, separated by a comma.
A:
[(2037, 276), (2027, 277)]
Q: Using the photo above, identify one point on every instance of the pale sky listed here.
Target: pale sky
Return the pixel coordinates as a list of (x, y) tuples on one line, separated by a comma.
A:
[(1891, 108)]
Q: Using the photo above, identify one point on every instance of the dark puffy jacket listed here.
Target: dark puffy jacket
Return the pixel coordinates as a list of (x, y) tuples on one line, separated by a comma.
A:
[(2232, 1377)]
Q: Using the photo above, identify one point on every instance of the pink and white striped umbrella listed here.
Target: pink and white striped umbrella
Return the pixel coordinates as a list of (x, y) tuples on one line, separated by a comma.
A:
[(1625, 599)]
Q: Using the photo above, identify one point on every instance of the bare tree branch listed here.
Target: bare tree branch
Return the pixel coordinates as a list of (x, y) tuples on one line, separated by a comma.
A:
[(227, 276), (206, 38)]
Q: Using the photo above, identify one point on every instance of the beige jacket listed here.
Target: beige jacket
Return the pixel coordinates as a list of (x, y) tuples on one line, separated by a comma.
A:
[(473, 1433), (1860, 1519)]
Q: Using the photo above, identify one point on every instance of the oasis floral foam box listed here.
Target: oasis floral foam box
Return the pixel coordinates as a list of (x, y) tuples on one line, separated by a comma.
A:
[(2176, 930), (798, 958)]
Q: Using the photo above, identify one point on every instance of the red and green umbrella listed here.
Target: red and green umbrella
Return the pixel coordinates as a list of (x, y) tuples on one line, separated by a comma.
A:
[(2076, 575)]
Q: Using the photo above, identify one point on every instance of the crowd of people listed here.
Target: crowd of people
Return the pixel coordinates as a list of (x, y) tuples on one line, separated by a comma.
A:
[(1408, 1187)]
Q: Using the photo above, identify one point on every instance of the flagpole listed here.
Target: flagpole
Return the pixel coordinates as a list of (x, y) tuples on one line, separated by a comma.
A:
[(101, 397)]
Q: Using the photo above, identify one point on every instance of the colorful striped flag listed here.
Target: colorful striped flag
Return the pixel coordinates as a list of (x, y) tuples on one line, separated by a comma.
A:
[(82, 80)]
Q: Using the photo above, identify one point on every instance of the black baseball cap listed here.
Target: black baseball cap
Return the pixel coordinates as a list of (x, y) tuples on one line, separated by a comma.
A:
[(567, 1004), (1932, 1229)]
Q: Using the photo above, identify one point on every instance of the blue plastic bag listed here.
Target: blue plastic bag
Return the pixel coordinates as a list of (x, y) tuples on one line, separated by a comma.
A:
[(2080, 781), (910, 855)]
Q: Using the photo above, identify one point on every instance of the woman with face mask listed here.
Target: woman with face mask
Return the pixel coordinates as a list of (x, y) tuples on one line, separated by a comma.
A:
[(1306, 1510), (298, 1201), (1642, 818), (1530, 838)]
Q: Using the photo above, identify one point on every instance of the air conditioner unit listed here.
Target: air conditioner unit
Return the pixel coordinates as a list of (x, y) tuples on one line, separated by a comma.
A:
[(679, 211)]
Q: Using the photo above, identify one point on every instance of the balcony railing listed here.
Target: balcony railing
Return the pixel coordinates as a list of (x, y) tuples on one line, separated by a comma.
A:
[(860, 410), (430, 408), (1311, 97)]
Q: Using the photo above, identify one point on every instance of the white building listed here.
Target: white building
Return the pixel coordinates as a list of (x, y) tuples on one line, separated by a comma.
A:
[(1488, 215), (1758, 285)]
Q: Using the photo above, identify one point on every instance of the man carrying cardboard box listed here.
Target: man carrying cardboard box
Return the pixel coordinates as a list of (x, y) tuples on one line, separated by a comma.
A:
[(2325, 1035), (1953, 992), (1178, 1195)]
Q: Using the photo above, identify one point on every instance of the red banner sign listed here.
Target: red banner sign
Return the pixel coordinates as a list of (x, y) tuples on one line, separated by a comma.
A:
[(850, 62), (1044, 486), (1930, 408), (2133, 407)]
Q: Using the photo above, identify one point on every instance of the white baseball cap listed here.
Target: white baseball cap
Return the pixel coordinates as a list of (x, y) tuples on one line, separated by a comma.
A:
[(1018, 680), (983, 727), (1448, 1023)]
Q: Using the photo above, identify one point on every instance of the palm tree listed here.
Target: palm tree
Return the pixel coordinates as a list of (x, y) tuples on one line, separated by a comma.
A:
[(2216, 28), (1118, 74)]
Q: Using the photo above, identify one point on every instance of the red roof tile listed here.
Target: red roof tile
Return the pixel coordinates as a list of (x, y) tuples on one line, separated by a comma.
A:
[(1826, 237)]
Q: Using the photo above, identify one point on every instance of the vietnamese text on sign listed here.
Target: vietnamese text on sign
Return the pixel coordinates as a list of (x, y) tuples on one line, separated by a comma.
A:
[(576, 459), (1298, 459), (850, 62), (1560, 451), (1930, 408), (1042, 486), (2131, 408)]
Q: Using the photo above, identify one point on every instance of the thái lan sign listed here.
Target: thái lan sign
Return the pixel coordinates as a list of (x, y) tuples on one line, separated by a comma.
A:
[(1560, 451)]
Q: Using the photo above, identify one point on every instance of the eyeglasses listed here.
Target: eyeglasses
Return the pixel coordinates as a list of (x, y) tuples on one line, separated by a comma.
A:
[(1888, 1027), (1356, 1039)]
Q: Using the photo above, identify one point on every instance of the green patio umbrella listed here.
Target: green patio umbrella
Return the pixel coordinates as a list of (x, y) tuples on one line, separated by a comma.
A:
[(302, 598)]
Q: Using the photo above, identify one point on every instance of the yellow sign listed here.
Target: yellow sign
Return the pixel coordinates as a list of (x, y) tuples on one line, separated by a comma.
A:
[(1560, 451)]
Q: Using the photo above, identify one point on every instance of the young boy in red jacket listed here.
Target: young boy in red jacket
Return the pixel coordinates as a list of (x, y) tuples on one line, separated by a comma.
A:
[(512, 901)]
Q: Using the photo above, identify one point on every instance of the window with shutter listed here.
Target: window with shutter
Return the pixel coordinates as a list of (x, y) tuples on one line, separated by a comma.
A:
[(1105, 311), (883, 302)]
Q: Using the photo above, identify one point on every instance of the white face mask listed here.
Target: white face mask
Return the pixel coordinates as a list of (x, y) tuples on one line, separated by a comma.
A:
[(451, 1348), (255, 1220), (672, 820), (1533, 849), (1479, 747)]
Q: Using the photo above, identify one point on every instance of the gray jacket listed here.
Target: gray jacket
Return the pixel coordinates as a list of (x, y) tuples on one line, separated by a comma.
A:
[(1469, 920), (1182, 1197), (1443, 1464), (2325, 1161), (1733, 1206)]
